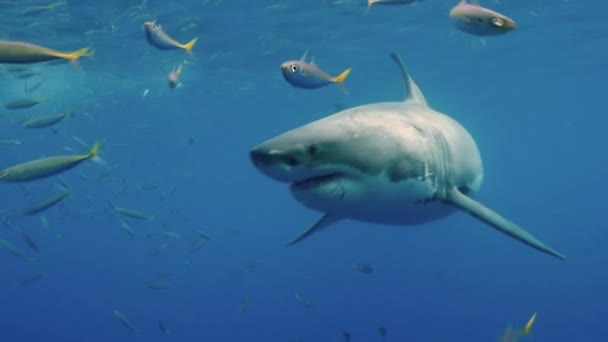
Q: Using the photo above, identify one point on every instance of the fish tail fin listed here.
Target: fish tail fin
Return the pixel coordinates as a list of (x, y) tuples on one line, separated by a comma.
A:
[(526, 329), (339, 80), (75, 55), (84, 52), (189, 45), (94, 151), (369, 5)]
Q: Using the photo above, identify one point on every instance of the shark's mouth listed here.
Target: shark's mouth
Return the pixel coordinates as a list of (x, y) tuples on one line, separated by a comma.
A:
[(316, 181)]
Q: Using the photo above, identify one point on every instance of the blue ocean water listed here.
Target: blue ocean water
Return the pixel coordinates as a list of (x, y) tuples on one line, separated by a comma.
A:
[(532, 99)]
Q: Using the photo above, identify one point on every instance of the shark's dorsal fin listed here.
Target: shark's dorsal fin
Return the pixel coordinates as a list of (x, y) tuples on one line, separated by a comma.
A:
[(303, 58), (478, 210), (412, 92), (321, 224)]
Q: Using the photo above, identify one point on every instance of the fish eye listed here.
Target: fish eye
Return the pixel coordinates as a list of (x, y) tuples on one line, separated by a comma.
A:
[(312, 149), (294, 68), (498, 22)]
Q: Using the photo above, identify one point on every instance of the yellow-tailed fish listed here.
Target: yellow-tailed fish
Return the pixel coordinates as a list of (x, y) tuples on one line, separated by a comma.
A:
[(23, 103), (46, 203), (526, 329), (45, 120), (130, 212), (125, 321), (14, 250), (39, 9), (27, 239), (159, 39), (302, 74), (23, 52), (45, 167), (480, 21)]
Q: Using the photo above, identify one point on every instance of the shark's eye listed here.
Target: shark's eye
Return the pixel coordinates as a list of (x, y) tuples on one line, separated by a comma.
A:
[(312, 149), (294, 68)]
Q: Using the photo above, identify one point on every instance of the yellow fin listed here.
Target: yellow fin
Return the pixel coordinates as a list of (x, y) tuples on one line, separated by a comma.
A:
[(340, 78), (86, 52), (189, 45), (94, 152), (526, 329)]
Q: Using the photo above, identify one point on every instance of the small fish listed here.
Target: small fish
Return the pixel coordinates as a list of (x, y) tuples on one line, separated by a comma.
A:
[(46, 203), (513, 335), (195, 247), (245, 304), (30, 278), (159, 39), (124, 224), (173, 77), (252, 265), (125, 321), (14, 250), (80, 142), (382, 331), (526, 329), (23, 52), (27, 239), (24, 75), (33, 88), (157, 285), (302, 74), (10, 142), (363, 267), (45, 167), (23, 103), (45, 120), (162, 327), (130, 212), (388, 2), (203, 235), (35, 10), (307, 303), (156, 252), (480, 21), (346, 336)]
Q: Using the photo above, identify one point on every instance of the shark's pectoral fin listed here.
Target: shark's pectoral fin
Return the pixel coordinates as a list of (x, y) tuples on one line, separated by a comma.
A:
[(321, 224), (478, 210)]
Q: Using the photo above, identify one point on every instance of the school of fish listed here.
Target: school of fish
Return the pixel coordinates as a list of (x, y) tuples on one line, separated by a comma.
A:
[(19, 57)]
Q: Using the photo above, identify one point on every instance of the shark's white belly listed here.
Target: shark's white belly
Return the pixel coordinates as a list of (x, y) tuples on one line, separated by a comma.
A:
[(376, 200)]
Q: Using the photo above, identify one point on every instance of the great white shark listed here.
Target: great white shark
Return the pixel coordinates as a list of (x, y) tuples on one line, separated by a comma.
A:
[(393, 163)]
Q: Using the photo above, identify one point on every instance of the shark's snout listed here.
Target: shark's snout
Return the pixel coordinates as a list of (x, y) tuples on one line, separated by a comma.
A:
[(260, 157), (263, 157)]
